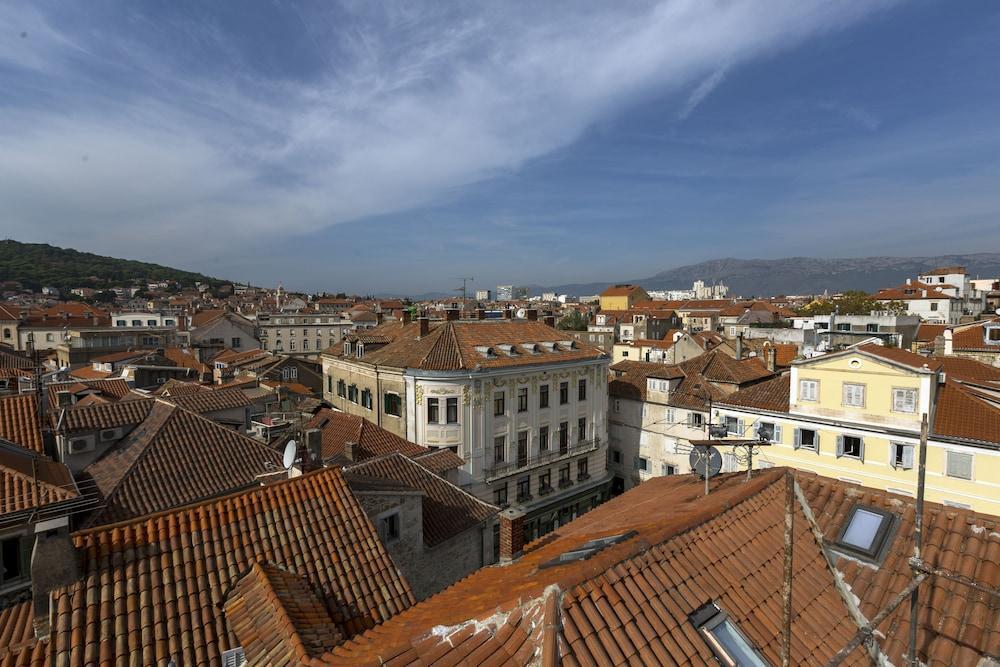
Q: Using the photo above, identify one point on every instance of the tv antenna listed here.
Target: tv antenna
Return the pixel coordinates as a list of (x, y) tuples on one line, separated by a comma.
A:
[(464, 292), (288, 458)]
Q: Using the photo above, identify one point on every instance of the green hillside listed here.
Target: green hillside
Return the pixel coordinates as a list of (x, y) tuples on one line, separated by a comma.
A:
[(35, 265)]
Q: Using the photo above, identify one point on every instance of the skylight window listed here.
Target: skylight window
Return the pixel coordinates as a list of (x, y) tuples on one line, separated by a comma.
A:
[(730, 646), (866, 532), (587, 549)]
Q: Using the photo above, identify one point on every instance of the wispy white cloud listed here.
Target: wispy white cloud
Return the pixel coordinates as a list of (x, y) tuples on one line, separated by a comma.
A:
[(414, 101)]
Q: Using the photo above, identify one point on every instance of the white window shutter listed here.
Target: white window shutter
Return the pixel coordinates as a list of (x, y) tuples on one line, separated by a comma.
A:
[(798, 439), (777, 433), (892, 454), (862, 452), (907, 457), (816, 442), (740, 427), (840, 446)]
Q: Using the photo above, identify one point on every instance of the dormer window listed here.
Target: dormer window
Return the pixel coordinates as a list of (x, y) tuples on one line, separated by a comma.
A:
[(991, 335), (866, 532), (347, 348)]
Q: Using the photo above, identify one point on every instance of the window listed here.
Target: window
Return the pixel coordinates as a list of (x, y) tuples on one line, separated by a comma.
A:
[(341, 388), (352, 393), (734, 426), (904, 400), (871, 328), (564, 479), (730, 646), (581, 429), (329, 383), (392, 404), (958, 465), (625, 354), (843, 327), (523, 489), (522, 399), (168, 323), (522, 449), (901, 456), (617, 405), (49, 337), (806, 439), (291, 346), (851, 446), (696, 420), (563, 393), (854, 395), (667, 469), (500, 495), (236, 342), (432, 411), (137, 323), (934, 305), (641, 463), (581, 470), (150, 323), (498, 404), (866, 531), (451, 410), (616, 456), (543, 396), (12, 555), (305, 345), (808, 390), (499, 448), (543, 438), (581, 390), (992, 335), (119, 323), (545, 482), (563, 437), (366, 399), (769, 431), (388, 527)]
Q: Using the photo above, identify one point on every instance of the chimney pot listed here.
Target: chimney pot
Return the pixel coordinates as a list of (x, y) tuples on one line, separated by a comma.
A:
[(480, 313), (532, 315), (451, 314), (771, 356), (350, 450), (425, 326), (508, 314), (314, 448), (55, 562), (739, 346), (407, 317), (511, 535), (549, 320)]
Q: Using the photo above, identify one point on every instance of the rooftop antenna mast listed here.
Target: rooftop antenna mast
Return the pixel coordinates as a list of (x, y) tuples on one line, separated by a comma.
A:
[(464, 291)]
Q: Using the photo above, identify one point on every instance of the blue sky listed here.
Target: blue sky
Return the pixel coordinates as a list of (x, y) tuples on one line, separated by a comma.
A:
[(395, 147)]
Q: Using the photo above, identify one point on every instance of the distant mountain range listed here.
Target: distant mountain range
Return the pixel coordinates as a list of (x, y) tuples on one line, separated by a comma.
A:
[(796, 275)]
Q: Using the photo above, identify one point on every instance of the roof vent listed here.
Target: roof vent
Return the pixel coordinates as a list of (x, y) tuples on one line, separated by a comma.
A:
[(508, 349), (486, 351), (587, 549)]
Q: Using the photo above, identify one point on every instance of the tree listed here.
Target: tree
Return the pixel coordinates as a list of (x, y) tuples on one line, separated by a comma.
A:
[(574, 321), (106, 296), (853, 302)]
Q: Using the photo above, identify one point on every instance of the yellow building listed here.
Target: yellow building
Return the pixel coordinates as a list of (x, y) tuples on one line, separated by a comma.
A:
[(855, 416), (622, 297)]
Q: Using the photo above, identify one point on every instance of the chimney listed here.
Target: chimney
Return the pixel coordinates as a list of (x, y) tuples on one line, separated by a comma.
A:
[(511, 534), (739, 346), (314, 447), (948, 343), (379, 317), (532, 315), (55, 562), (350, 450), (480, 313), (452, 314), (407, 317), (508, 314), (425, 326), (95, 320), (549, 321), (771, 356)]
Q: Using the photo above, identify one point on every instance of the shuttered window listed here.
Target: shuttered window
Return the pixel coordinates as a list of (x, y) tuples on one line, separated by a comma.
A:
[(854, 395), (808, 390), (904, 400), (959, 465)]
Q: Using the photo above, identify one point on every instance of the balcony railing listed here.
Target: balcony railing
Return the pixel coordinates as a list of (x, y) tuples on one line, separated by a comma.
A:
[(505, 469)]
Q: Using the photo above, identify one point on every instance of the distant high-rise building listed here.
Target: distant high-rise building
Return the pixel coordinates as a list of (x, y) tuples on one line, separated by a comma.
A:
[(505, 292), (483, 295)]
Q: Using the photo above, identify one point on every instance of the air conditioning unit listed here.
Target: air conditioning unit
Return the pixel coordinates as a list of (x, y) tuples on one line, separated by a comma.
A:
[(80, 445)]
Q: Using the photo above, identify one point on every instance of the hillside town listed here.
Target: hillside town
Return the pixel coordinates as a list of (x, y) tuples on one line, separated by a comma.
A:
[(240, 474)]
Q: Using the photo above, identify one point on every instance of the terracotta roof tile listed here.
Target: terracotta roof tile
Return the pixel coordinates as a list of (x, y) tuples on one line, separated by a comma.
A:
[(210, 401), (18, 646), (109, 415), (971, 337), (19, 422), (113, 389), (152, 589), (447, 509), (173, 458), (12, 359), (339, 428), (959, 413), (18, 487), (771, 395)]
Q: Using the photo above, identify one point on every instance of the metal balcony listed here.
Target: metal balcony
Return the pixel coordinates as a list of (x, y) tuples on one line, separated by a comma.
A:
[(506, 469)]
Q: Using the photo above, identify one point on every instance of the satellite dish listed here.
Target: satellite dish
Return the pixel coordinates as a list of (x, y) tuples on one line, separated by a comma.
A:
[(288, 459), (705, 461)]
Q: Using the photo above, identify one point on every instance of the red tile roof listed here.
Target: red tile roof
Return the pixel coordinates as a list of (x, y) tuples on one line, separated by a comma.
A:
[(959, 413), (971, 338), (621, 290), (278, 618), (339, 428), (173, 458), (629, 603), (29, 481), (447, 509), (88, 373), (19, 422), (771, 395), (11, 359), (109, 415), (910, 292), (944, 270), (460, 345), (152, 589), (901, 356), (18, 646), (210, 401), (113, 389)]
